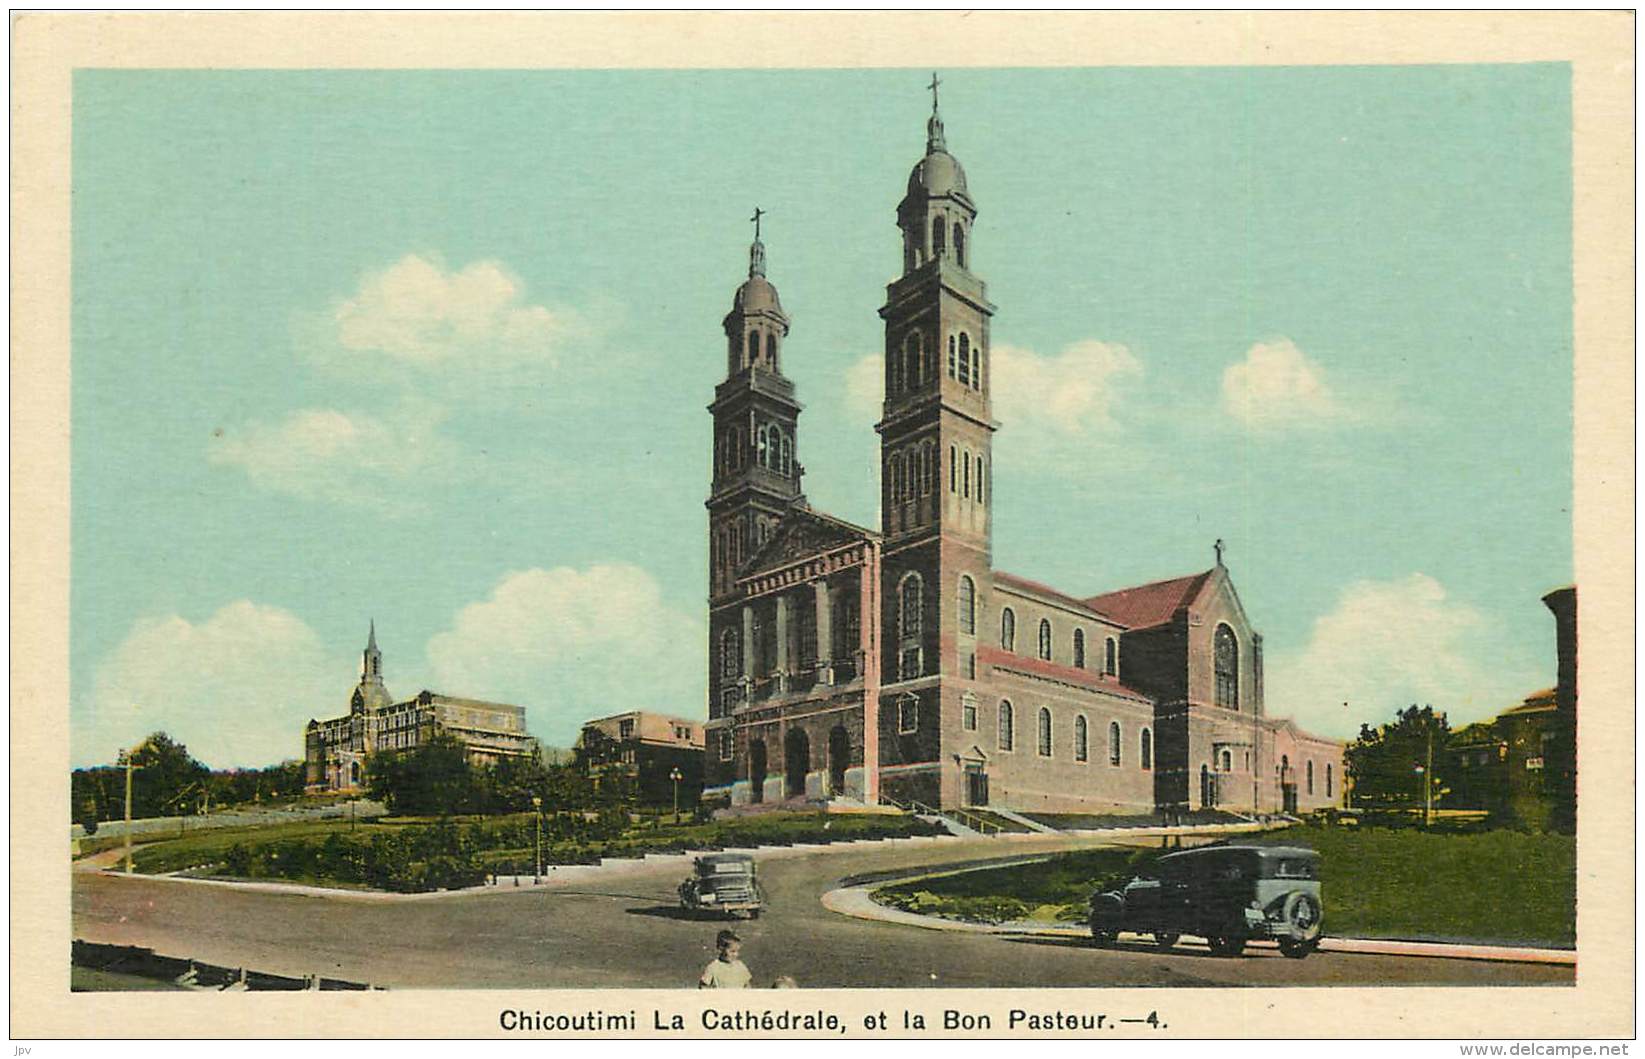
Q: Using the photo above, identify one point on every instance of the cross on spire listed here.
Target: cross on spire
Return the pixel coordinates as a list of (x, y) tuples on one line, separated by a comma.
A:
[(758, 213), (935, 81), (1218, 547)]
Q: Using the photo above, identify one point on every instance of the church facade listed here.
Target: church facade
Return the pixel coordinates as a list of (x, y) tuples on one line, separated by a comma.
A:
[(896, 663), (335, 751)]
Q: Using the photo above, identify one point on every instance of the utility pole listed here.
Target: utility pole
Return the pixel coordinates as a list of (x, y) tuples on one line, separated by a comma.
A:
[(125, 759)]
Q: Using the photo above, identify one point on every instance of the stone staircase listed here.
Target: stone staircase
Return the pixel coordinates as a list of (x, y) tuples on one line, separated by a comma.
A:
[(1018, 818)]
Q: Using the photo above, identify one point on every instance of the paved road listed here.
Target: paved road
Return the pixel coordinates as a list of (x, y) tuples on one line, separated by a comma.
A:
[(626, 931)]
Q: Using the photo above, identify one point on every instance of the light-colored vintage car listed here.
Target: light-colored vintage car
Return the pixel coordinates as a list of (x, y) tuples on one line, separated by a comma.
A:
[(723, 883), (1225, 894)]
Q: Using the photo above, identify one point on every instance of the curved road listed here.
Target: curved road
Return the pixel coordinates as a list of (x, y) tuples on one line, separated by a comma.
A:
[(626, 931)]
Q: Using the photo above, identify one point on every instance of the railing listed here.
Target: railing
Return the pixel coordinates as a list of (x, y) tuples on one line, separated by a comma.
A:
[(962, 816)]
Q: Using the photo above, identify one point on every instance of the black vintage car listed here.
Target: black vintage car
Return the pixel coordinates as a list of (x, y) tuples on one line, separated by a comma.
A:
[(1225, 894), (723, 883)]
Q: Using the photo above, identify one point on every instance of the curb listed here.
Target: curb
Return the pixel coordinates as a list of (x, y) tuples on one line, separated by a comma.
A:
[(858, 903)]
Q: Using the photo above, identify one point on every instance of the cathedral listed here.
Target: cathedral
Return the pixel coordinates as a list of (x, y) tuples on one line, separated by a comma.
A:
[(897, 665)]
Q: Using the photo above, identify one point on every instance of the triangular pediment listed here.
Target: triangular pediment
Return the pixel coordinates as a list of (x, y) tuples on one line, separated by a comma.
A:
[(801, 534)]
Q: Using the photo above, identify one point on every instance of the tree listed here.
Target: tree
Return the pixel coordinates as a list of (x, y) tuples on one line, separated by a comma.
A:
[(165, 770), (433, 779), (1389, 765)]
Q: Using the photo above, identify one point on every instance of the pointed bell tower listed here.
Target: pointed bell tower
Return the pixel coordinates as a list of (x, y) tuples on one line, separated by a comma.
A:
[(936, 430), (370, 693), (756, 473)]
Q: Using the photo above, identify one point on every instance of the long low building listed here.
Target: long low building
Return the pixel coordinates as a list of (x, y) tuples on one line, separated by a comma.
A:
[(335, 751)]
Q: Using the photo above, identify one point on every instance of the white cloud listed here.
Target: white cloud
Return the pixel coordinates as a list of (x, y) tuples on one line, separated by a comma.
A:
[(237, 688), (350, 458), (1385, 646), (417, 311), (1278, 386), (574, 644), (1070, 396)]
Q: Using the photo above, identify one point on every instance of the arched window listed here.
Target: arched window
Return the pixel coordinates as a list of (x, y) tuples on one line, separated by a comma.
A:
[(1045, 732), (1045, 639), (959, 244), (753, 347), (1225, 760), (910, 624), (953, 470), (774, 446), (896, 477), (1225, 654), (916, 474), (1328, 779), (967, 597), (1110, 656), (909, 617), (1008, 629), (929, 485), (979, 479), (1008, 723), (1310, 777), (1079, 648), (965, 359), (1113, 742), (731, 655), (788, 456), (1082, 750), (965, 473), (771, 352), (953, 355), (1147, 749), (937, 236), (762, 454), (913, 359)]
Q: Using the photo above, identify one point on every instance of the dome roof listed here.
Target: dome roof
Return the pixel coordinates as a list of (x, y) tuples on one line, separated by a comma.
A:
[(756, 295), (938, 173)]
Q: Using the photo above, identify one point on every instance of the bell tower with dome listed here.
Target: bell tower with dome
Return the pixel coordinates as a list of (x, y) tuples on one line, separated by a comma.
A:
[(936, 428), (756, 474)]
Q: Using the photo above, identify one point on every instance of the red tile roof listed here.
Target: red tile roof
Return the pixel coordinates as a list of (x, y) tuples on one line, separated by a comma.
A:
[(1145, 606), (1090, 678), (1025, 585)]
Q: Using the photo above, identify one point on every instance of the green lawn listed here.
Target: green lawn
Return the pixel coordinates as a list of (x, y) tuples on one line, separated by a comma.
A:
[(1498, 886)]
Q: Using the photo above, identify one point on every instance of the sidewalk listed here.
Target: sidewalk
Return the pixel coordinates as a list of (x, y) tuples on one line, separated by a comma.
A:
[(858, 903)]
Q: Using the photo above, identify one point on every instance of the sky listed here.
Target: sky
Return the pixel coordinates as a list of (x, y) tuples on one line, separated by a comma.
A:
[(434, 349)]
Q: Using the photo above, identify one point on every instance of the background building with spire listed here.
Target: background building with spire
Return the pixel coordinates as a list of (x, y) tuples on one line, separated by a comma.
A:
[(335, 751), (897, 664)]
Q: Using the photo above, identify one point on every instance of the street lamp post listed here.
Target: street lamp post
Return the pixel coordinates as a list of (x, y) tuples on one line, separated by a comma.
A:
[(537, 809), (674, 774)]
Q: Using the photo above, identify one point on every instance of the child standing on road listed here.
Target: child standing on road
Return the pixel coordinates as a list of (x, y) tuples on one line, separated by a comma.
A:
[(727, 971)]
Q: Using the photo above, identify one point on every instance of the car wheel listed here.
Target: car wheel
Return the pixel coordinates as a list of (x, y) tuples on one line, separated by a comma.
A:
[(1164, 939), (1296, 950), (1225, 946), (1301, 916), (1102, 939)]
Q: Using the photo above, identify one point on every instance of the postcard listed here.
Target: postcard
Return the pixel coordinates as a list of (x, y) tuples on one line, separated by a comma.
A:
[(991, 525)]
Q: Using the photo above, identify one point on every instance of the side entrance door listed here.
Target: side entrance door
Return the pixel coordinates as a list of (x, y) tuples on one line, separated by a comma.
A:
[(976, 787)]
